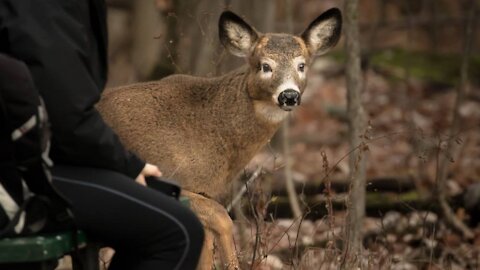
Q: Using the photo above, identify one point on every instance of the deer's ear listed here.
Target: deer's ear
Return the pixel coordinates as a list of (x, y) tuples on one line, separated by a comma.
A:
[(236, 35), (324, 32)]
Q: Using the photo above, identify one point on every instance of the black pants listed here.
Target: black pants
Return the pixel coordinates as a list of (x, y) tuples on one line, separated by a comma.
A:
[(147, 229)]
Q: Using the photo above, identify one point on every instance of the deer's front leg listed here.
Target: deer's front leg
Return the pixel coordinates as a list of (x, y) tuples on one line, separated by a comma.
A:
[(217, 225), (206, 258)]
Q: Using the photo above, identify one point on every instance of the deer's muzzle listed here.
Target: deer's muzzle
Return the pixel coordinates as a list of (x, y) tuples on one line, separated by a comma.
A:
[(288, 99)]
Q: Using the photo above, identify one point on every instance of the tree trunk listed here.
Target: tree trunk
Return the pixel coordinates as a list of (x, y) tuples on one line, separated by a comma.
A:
[(292, 194), (357, 129), (443, 160), (146, 25)]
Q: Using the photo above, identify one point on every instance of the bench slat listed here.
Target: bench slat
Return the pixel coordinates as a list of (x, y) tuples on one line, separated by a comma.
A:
[(39, 248)]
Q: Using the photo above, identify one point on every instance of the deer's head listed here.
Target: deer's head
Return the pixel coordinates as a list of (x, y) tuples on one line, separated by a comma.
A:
[(278, 63)]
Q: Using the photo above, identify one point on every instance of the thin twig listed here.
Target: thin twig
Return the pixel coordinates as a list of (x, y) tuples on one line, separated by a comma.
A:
[(170, 56), (177, 168), (242, 191), (257, 226), (281, 237), (297, 256)]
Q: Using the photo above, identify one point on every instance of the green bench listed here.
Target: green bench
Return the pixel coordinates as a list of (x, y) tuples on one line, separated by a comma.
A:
[(42, 252)]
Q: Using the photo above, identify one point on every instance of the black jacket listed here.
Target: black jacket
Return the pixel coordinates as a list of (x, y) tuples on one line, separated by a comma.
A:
[(64, 44)]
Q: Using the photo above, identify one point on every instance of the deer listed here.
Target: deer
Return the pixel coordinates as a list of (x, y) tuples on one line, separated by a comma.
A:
[(205, 130)]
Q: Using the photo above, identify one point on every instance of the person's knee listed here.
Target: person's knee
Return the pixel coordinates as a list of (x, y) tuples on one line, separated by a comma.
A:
[(188, 239), (195, 230), (188, 234)]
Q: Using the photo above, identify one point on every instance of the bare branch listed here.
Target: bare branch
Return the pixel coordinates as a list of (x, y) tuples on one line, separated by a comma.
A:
[(242, 191)]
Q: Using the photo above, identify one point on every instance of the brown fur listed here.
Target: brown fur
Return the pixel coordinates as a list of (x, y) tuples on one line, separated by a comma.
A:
[(199, 131)]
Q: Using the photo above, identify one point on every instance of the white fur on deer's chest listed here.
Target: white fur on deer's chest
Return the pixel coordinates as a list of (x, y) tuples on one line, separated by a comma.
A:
[(268, 112)]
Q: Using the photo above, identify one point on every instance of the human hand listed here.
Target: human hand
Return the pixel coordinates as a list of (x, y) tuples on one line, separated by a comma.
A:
[(148, 170)]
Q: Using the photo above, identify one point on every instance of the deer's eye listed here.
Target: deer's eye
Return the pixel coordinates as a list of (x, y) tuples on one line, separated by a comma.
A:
[(301, 67), (266, 68)]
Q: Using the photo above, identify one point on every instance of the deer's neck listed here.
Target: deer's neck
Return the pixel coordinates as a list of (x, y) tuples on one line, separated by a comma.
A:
[(243, 125), (250, 116), (231, 94)]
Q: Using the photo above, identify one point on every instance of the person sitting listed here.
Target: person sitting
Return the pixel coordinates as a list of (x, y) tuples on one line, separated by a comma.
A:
[(64, 45)]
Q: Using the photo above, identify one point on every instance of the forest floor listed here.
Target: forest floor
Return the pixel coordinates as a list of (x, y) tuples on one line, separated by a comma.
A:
[(409, 119)]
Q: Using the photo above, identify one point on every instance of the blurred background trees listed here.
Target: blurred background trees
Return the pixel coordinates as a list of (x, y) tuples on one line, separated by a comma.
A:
[(411, 56)]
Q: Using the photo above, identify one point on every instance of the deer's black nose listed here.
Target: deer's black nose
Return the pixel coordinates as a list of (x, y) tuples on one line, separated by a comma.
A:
[(289, 97)]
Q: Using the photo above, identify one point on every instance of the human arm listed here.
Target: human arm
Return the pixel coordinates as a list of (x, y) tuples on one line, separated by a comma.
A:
[(65, 53)]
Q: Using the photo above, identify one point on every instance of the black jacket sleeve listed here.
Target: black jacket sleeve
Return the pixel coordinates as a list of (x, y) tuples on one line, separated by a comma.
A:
[(63, 42)]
